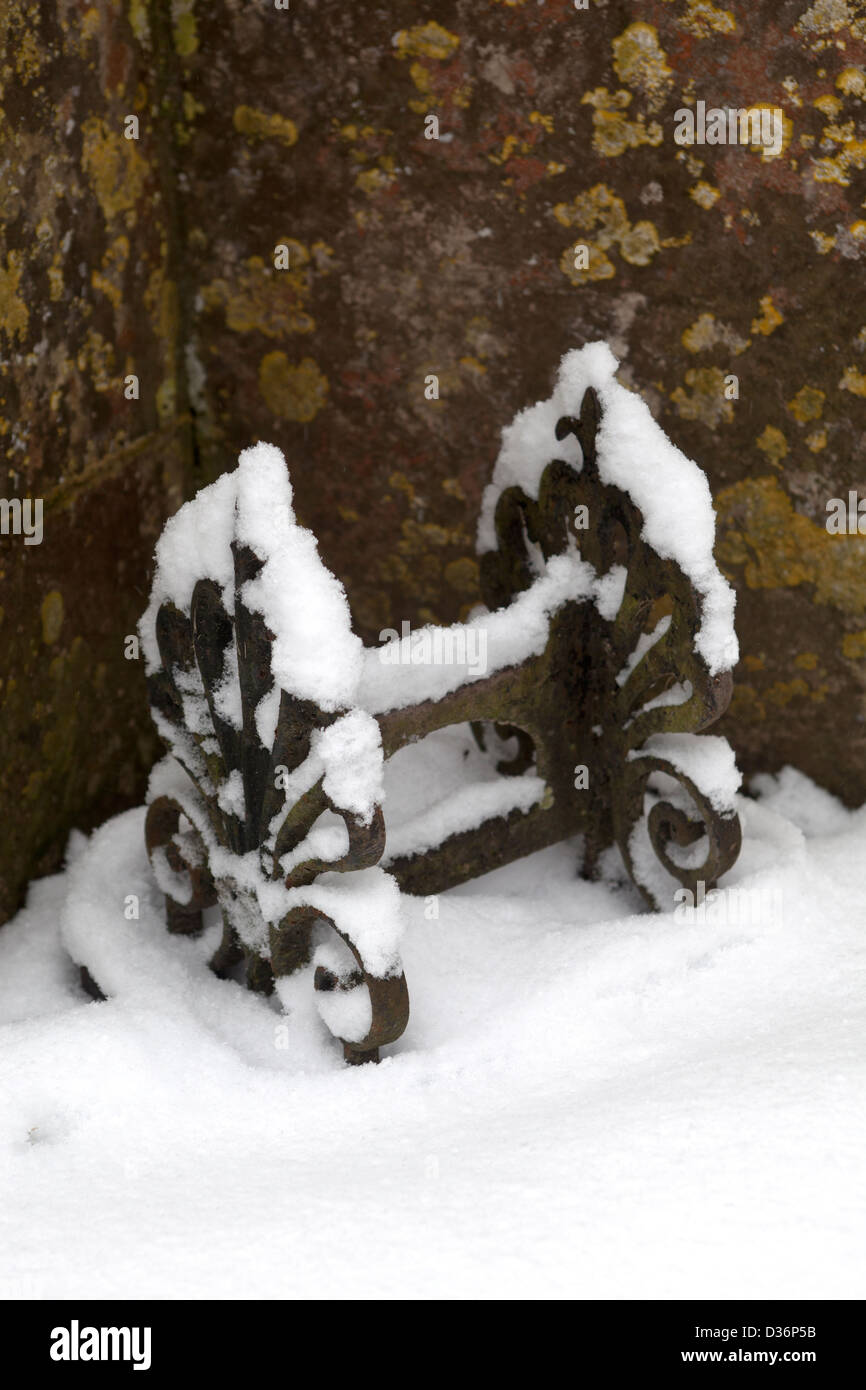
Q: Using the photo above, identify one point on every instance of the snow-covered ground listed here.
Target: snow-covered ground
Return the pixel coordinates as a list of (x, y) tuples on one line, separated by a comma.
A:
[(590, 1101)]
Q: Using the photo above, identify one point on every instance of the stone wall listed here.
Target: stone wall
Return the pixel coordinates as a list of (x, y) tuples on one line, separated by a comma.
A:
[(88, 297), (409, 257)]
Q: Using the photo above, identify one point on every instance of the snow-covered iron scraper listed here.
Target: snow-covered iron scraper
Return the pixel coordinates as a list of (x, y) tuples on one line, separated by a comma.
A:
[(608, 645)]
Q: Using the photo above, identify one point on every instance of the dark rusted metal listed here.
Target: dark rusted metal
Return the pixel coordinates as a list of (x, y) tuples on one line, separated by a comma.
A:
[(565, 705), (161, 829), (89, 985)]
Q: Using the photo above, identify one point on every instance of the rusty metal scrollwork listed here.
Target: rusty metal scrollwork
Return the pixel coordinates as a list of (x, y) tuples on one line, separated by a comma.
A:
[(608, 683)]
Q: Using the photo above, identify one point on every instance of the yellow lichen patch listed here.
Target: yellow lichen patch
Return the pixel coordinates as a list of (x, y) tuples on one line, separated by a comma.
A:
[(598, 204), (769, 318), (422, 76), (415, 562), (463, 576), (841, 133), (28, 56), (852, 81), (90, 23), (703, 19), (830, 171), (292, 392), (854, 645), (428, 40), (14, 314), (20, 31), (185, 31), (418, 536), (54, 274), (536, 118), (707, 401), (261, 299), (745, 706), (473, 365), (857, 231), (640, 62), (371, 132), (807, 661), (109, 279), (836, 168), (780, 548), (639, 244), (116, 170), (52, 616), (424, 83), (828, 104), (375, 180), (191, 107), (816, 441), (598, 266), (553, 168), (448, 382), (166, 400), (599, 208), (258, 125), (808, 404), (826, 17), (96, 357), (853, 381), (767, 151), (161, 302), (781, 693), (773, 443), (670, 241), (400, 483), (824, 242), (138, 21), (700, 334), (754, 663), (612, 132), (704, 194), (367, 141), (706, 332)]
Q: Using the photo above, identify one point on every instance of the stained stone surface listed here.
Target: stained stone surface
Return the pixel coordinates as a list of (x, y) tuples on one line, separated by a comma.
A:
[(411, 257), (88, 296)]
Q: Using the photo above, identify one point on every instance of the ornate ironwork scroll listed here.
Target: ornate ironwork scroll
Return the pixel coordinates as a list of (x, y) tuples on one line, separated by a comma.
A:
[(236, 797), (599, 690)]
